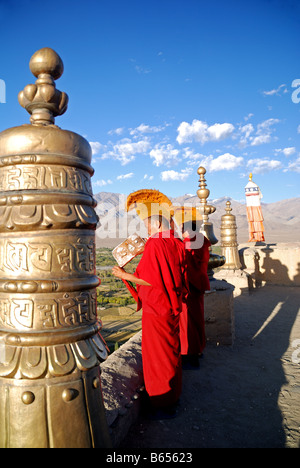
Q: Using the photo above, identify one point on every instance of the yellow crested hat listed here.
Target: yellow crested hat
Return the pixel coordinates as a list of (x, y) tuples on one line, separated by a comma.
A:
[(148, 203), (184, 214)]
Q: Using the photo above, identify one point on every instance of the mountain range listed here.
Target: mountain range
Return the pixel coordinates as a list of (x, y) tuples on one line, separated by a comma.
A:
[(281, 219)]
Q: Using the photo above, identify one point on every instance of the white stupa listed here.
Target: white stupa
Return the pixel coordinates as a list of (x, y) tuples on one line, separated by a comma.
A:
[(254, 211)]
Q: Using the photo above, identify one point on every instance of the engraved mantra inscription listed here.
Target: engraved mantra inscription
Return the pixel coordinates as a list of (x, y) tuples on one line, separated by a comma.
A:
[(30, 258), (46, 313), (37, 216), (42, 178)]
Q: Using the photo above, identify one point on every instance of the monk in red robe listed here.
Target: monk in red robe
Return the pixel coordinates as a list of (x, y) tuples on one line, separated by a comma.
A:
[(161, 284), (192, 325)]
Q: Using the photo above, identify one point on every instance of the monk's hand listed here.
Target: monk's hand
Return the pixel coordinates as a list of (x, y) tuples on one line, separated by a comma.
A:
[(119, 272)]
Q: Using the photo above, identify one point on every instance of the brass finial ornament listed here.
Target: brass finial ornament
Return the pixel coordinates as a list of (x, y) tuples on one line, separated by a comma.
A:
[(50, 342), (42, 100), (229, 240), (207, 227), (205, 209)]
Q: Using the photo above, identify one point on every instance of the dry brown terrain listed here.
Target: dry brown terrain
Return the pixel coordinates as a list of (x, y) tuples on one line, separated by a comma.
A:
[(281, 219)]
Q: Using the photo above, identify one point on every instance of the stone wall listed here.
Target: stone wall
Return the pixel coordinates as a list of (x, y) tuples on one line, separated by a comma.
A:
[(122, 387), (272, 263)]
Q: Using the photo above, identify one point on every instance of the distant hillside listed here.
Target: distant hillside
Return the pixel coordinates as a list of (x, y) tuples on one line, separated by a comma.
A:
[(281, 219)]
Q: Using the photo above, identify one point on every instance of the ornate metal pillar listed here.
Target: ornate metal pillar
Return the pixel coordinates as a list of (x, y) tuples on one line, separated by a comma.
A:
[(50, 346), (215, 260), (229, 240)]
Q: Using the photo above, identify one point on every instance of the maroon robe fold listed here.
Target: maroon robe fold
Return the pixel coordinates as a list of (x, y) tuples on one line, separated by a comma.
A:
[(163, 266), (192, 325)]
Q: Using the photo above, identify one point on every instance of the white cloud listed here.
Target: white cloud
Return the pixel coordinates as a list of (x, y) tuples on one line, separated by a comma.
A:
[(174, 175), (116, 131), (295, 165), (261, 139), (266, 124), (219, 132), (164, 155), (192, 157), (102, 183), (224, 162), (125, 176), (287, 151), (96, 146), (126, 150), (141, 70), (264, 132), (146, 129), (147, 177), (276, 91), (298, 129), (261, 166), (202, 132), (246, 131), (190, 132)]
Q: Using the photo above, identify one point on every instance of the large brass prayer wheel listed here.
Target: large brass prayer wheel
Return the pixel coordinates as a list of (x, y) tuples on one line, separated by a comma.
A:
[(50, 345)]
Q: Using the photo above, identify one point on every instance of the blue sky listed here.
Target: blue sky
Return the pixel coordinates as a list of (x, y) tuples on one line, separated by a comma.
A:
[(160, 87)]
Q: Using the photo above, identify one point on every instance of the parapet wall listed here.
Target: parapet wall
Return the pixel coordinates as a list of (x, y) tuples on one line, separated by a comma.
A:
[(122, 386), (272, 263)]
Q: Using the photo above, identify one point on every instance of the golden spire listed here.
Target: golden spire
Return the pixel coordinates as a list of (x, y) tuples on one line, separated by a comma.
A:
[(250, 176), (42, 100), (207, 227), (203, 194)]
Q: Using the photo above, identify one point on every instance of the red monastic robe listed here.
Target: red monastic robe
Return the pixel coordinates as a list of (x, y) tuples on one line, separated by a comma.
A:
[(192, 326), (163, 266)]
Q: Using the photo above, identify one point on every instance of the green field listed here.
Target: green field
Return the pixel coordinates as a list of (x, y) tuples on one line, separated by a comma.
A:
[(116, 306), (112, 290)]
